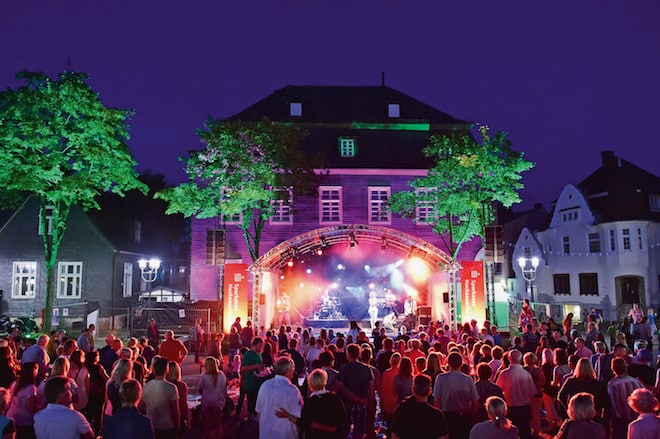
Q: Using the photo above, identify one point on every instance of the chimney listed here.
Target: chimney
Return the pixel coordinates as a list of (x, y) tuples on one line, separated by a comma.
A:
[(608, 158)]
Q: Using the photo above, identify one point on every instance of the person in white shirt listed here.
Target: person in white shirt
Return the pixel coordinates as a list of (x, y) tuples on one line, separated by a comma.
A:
[(57, 420), (275, 394)]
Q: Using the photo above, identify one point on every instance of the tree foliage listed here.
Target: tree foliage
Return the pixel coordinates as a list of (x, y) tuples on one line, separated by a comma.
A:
[(62, 145), (244, 168), (462, 187)]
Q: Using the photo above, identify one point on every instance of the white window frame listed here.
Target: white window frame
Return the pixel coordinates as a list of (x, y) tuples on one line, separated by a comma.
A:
[(347, 147), (627, 245), (425, 209), (295, 109), (282, 209), (49, 219), (654, 202), (379, 212), (591, 240), (64, 276), (393, 110), (565, 245), (24, 280), (330, 200), (127, 285)]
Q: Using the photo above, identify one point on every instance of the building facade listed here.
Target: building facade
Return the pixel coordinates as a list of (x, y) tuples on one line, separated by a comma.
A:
[(601, 248), (372, 139)]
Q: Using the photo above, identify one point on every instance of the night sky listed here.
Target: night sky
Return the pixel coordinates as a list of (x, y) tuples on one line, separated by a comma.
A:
[(567, 79)]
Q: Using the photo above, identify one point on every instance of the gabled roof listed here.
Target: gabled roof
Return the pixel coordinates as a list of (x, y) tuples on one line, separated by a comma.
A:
[(331, 112), (619, 190)]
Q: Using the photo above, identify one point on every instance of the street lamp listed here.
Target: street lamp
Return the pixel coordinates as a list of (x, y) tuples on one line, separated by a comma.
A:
[(149, 269), (529, 267)]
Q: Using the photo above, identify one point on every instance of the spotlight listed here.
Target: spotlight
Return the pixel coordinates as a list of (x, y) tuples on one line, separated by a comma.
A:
[(319, 252), (367, 268), (308, 270), (351, 239), (324, 243), (340, 266), (290, 263), (383, 243)]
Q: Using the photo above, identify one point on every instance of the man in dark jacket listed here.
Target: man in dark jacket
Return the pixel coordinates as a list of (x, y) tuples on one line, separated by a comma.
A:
[(128, 422)]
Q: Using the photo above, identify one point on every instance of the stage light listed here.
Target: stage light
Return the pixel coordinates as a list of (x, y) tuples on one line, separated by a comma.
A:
[(418, 270), (308, 270), (319, 252), (383, 243), (367, 268), (290, 263), (324, 243), (372, 285), (351, 240), (281, 277), (340, 266), (334, 285), (302, 285)]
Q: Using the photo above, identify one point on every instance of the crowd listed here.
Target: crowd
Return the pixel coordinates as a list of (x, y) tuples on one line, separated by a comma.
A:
[(549, 380)]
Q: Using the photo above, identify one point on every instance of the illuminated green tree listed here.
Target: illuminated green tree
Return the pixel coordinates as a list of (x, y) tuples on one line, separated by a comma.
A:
[(244, 169), (58, 142), (460, 191)]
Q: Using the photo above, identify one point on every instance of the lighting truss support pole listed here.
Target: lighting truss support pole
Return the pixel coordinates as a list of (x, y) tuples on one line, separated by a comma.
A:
[(490, 293), (256, 299), (453, 318)]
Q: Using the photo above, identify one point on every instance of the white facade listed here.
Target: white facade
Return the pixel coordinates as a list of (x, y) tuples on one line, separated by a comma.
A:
[(587, 263)]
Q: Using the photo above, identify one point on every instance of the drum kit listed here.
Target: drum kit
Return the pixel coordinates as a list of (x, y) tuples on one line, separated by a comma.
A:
[(328, 308)]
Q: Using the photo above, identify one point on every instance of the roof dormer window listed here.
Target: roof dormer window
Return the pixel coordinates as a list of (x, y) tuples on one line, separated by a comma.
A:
[(347, 146), (295, 109), (393, 110)]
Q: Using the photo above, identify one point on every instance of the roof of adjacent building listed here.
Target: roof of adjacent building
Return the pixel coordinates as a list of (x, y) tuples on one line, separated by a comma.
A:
[(620, 190), (382, 141)]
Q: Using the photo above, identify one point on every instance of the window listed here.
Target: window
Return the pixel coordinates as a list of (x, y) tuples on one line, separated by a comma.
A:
[(654, 202), (330, 205), (295, 109), (49, 214), (566, 245), (24, 280), (594, 242), (612, 240), (347, 147), (626, 239), (215, 246), (588, 284), (378, 209), (127, 286), (640, 239), (393, 110), (425, 211), (562, 283), (69, 280), (570, 215), (281, 208), (137, 232)]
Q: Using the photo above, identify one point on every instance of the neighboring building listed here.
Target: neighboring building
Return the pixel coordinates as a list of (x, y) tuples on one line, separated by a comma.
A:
[(372, 139), (96, 270), (602, 246)]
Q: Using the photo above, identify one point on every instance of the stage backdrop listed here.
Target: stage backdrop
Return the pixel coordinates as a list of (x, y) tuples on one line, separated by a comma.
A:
[(235, 303), (473, 299)]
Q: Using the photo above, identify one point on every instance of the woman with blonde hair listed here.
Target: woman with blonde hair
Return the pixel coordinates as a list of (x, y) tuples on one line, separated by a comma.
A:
[(498, 426), (61, 367), (647, 424), (121, 371), (581, 424), (213, 388), (174, 376), (584, 380)]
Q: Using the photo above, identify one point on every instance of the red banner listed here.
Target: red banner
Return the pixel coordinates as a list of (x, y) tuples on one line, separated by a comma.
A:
[(473, 303), (235, 299)]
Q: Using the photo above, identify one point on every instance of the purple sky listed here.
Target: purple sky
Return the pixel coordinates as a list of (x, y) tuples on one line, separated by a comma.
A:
[(566, 80)]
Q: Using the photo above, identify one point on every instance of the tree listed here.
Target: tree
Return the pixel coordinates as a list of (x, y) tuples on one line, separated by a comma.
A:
[(458, 194), (62, 145), (243, 170)]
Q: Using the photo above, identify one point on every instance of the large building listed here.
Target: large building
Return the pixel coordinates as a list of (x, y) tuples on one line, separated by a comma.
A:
[(601, 248), (333, 252)]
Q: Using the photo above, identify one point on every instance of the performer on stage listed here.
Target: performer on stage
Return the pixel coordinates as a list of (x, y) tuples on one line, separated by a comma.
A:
[(389, 320), (410, 306), (283, 304), (373, 309)]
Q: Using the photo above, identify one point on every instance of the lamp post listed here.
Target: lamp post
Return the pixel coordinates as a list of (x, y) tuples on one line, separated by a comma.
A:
[(149, 269), (529, 267)]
